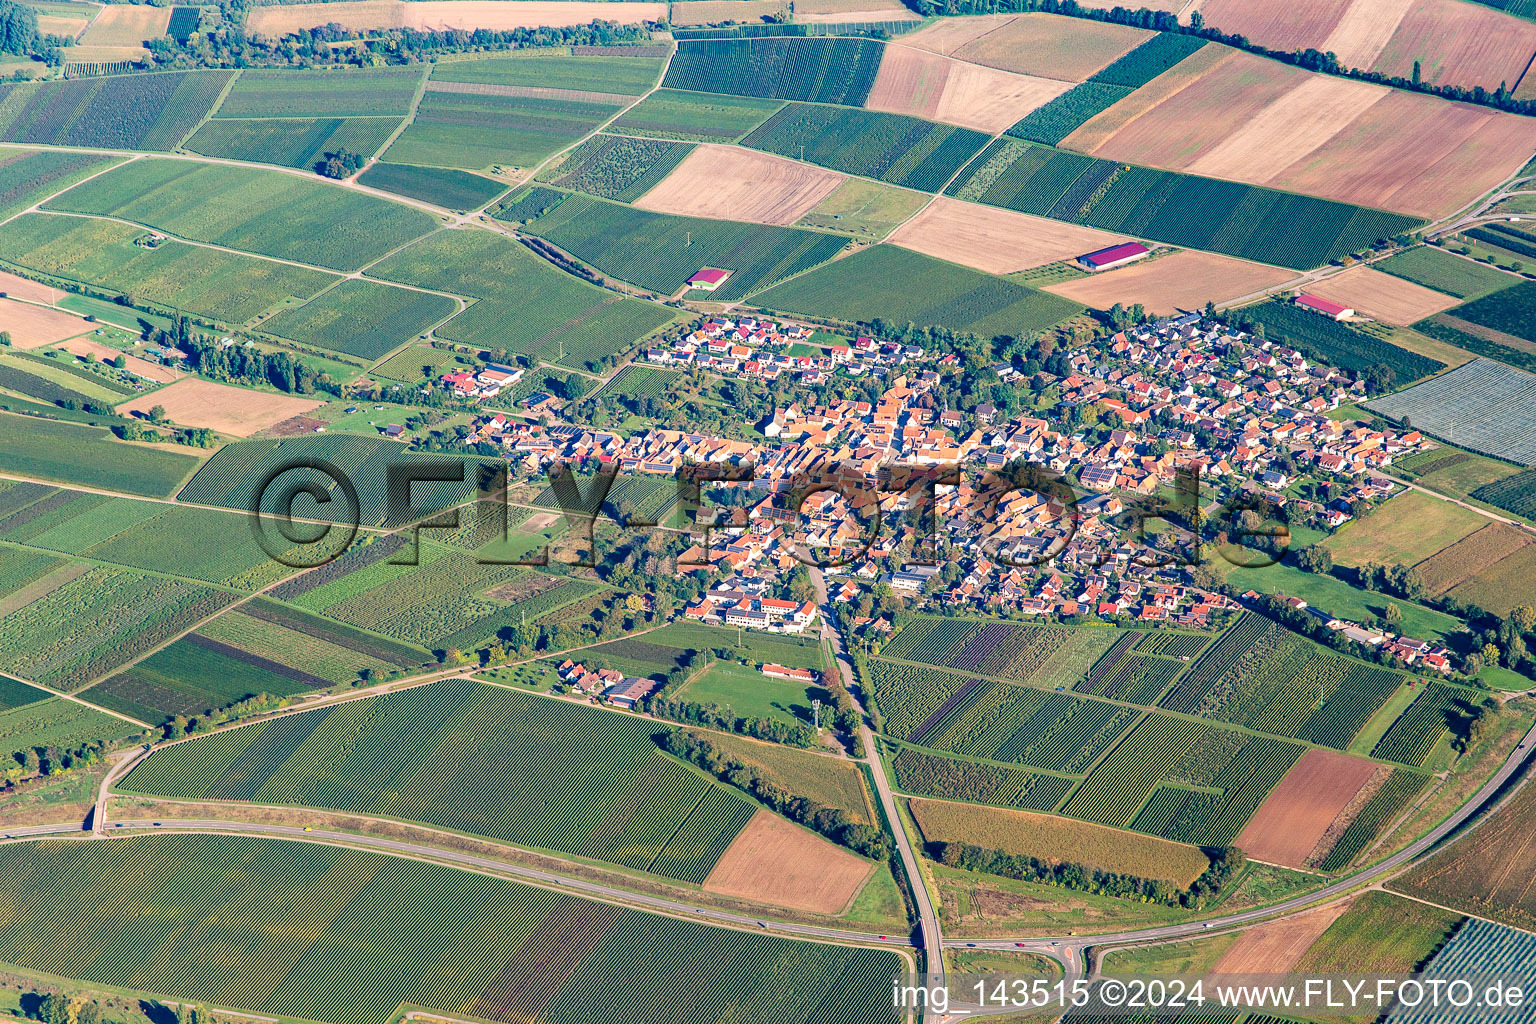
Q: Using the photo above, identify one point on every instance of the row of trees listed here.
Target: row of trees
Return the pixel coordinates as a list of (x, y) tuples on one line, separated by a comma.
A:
[(832, 822), (233, 46), (1226, 864)]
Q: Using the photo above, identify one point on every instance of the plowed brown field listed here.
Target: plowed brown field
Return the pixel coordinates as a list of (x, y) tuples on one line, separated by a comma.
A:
[(1180, 281), (939, 88), (1382, 296), (202, 403), (1047, 45), (1298, 811), (740, 184), (993, 240), (1276, 947), (34, 326), (1459, 44), (127, 25), (775, 861)]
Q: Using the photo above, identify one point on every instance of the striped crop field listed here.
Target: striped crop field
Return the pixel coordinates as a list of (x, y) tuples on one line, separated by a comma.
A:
[(480, 759), (347, 936)]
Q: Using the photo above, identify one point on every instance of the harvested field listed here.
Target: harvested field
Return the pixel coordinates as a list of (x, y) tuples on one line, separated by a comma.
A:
[(1097, 130), (1276, 947), (939, 88), (1503, 586), (728, 183), (1047, 45), (142, 367), (126, 25), (775, 861), (229, 410), (1362, 33), (1220, 105), (50, 25), (995, 241), (712, 12), (1382, 296), (24, 288), (1415, 154), (845, 12), (1353, 142), (1403, 530), (1295, 122), (1298, 811), (363, 15), (1058, 839), (1183, 280), (1458, 44), (1287, 26), (34, 326)]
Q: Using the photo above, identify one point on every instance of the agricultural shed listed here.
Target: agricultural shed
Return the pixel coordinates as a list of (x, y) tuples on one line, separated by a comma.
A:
[(1113, 256)]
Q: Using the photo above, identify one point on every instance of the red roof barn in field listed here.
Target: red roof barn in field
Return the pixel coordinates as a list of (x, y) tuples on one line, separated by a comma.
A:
[(708, 279), (1114, 256), (1323, 307)]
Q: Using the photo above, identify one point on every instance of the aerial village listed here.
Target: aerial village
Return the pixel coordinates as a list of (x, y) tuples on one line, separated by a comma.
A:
[(1183, 397)]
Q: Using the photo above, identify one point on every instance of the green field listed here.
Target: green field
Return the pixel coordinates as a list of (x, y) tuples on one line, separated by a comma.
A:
[(1380, 934), (755, 645), (746, 692), (864, 208), (292, 142), (153, 112), (209, 282), (408, 366), (362, 318), (816, 70), (1200, 213), (525, 304), (1404, 530), (695, 116), (567, 777), (1260, 675), (895, 148), (456, 190), (258, 211), (362, 934), (471, 131), (660, 252), (1510, 311), (71, 453), (195, 675), (615, 167), (288, 92), (88, 623), (1337, 344), (899, 285), (230, 479), (29, 176), (829, 780), (973, 782), (1437, 269), (627, 76), (59, 723)]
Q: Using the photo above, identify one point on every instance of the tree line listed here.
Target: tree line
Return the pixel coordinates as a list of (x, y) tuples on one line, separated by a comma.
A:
[(832, 822), (1226, 865)]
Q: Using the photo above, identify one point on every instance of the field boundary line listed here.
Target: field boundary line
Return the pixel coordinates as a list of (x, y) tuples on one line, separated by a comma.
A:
[(72, 697), (35, 207), (212, 110), (406, 121)]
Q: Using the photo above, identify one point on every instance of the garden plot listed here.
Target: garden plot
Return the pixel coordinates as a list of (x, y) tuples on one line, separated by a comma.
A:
[(1486, 406), (739, 184), (229, 410)]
